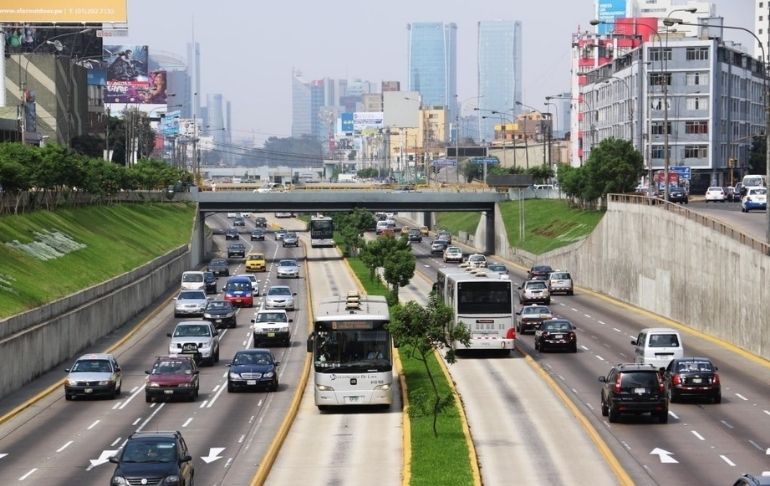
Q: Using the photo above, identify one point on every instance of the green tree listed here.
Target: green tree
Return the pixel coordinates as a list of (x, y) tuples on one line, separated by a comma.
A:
[(613, 166), (758, 155), (422, 331), (395, 257), (540, 173), (471, 171), (89, 145), (571, 180)]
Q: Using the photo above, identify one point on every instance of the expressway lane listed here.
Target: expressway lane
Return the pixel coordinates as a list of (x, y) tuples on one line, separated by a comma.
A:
[(753, 223), (710, 443), (69, 442)]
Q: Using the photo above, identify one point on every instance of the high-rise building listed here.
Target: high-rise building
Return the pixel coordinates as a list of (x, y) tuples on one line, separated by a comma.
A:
[(300, 106), (433, 63), (762, 27), (608, 11), (194, 71), (215, 108), (499, 72), (391, 86)]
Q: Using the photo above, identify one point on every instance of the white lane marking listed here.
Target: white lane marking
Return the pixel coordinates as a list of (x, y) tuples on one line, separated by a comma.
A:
[(64, 446), (139, 429), (583, 348), (547, 366), (240, 441), (602, 323), (632, 337), (599, 357), (664, 456), (623, 355), (187, 422), (229, 460), (574, 309), (673, 414), (203, 405), (561, 378), (741, 397), (574, 391), (216, 395), (224, 375), (117, 404), (589, 406), (616, 329), (215, 389), (757, 446), (136, 421), (696, 434), (133, 390), (244, 343), (115, 442), (222, 334), (562, 304), (28, 474), (625, 444), (132, 396), (727, 460), (93, 425), (588, 316), (766, 412), (726, 424)]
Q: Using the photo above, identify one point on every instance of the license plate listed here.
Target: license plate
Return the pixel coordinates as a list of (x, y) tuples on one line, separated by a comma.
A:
[(640, 391), (697, 380), (88, 390), (219, 320), (558, 336), (271, 334), (353, 399), (168, 392), (190, 348), (251, 382)]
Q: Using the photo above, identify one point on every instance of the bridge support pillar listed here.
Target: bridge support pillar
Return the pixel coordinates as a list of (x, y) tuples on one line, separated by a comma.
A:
[(489, 227), (198, 243), (427, 219)]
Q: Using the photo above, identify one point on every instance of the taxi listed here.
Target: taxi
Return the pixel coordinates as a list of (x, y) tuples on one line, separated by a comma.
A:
[(255, 262)]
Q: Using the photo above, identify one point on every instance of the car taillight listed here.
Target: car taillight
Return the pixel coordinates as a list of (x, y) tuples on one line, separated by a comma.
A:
[(617, 382), (676, 380), (661, 384), (715, 379), (572, 336), (511, 334)]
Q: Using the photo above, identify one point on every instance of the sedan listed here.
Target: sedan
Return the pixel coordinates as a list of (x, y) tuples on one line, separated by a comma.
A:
[(543, 270), (232, 234), (280, 297), (693, 378), (290, 239), (556, 333), (415, 235), (678, 195), (219, 267), (260, 222), (715, 194), (438, 246), (258, 234), (190, 303), (287, 269), (220, 313), (92, 375), (280, 233), (755, 198), (210, 282), (453, 254), (239, 222), (236, 250), (253, 368), (531, 316)]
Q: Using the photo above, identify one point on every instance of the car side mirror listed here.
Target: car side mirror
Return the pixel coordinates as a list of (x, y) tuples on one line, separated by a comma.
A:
[(67, 370), (662, 371), (310, 340), (716, 368), (633, 341), (146, 372), (574, 328), (113, 459), (216, 333), (602, 379), (117, 368), (291, 320), (168, 334), (253, 321), (186, 459), (276, 363), (196, 372)]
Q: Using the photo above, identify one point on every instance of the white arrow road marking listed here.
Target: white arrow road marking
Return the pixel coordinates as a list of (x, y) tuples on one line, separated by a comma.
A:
[(213, 454), (664, 455), (104, 457)]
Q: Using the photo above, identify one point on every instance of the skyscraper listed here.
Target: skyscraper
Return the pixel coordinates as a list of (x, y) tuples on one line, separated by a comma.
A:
[(216, 119), (194, 71), (762, 27), (300, 106), (433, 63), (499, 72)]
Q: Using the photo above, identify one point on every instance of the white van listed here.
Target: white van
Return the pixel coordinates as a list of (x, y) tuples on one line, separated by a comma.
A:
[(658, 346), (193, 280)]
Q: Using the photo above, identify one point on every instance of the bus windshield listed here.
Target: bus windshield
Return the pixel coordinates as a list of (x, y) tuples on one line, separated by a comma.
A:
[(321, 229), (352, 351), (484, 297)]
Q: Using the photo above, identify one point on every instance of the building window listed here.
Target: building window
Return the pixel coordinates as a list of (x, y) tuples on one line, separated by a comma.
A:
[(696, 151), (659, 128), (658, 54), (697, 53), (697, 79), (658, 151), (697, 104), (659, 79), (657, 104), (696, 126)]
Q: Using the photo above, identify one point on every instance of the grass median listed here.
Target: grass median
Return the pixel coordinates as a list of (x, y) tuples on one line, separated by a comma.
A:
[(47, 255), (435, 460)]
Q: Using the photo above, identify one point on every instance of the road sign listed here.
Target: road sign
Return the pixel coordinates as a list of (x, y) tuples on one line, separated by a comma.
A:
[(485, 160), (683, 171)]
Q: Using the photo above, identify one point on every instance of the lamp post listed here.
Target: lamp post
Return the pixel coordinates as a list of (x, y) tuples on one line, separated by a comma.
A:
[(550, 131), (673, 21)]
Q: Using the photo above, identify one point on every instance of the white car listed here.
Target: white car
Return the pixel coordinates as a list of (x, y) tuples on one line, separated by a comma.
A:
[(279, 297), (192, 280), (198, 338), (715, 194), (254, 282), (271, 325), (190, 303), (232, 215), (477, 260), (755, 198), (453, 254), (287, 269)]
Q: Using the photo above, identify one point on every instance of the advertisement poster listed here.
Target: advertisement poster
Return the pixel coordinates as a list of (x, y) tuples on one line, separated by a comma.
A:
[(127, 78), (608, 11)]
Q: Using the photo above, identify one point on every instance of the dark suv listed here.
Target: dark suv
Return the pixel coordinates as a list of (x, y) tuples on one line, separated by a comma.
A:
[(633, 388), (153, 458)]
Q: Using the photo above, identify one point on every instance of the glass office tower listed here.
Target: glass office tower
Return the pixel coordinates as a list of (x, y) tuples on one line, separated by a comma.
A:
[(433, 63)]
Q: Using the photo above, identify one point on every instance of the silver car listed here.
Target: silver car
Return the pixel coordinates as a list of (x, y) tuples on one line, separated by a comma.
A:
[(534, 292), (190, 303), (279, 297), (92, 375), (287, 269), (196, 338), (560, 282)]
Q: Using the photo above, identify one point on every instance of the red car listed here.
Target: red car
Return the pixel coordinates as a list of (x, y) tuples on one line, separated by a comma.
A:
[(239, 292), (171, 377)]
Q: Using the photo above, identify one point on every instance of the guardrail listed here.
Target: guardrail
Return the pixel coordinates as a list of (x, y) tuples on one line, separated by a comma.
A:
[(706, 221)]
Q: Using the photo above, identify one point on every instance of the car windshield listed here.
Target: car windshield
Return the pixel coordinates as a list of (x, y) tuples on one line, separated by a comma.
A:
[(219, 305), (208, 275), (689, 366), (172, 367), (192, 277), (291, 235), (256, 256), (217, 263), (271, 317), (536, 310), (477, 258), (92, 366), (497, 268), (535, 285), (279, 291), (560, 276), (287, 263), (664, 341), (645, 379), (238, 286), (541, 269), (192, 331), (155, 451), (758, 191), (192, 296), (253, 359), (557, 326)]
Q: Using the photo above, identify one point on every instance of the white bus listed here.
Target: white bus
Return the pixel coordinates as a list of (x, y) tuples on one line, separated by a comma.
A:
[(351, 348), (321, 231), (754, 181), (483, 302)]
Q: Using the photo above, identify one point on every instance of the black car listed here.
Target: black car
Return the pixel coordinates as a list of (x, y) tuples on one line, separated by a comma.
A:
[(290, 239), (239, 222), (556, 334), (258, 234), (633, 388), (210, 282), (220, 313), (236, 250), (160, 456), (219, 267), (253, 368), (260, 222), (539, 270), (751, 480), (693, 378), (232, 234), (415, 235), (678, 195), (732, 196)]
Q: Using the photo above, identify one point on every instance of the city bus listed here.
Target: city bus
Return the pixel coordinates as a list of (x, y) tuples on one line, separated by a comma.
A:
[(321, 231), (351, 348), (483, 302)]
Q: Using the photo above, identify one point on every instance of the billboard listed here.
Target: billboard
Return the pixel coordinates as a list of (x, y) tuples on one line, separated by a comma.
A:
[(56, 11), (363, 120), (347, 122), (169, 124), (608, 11), (127, 78)]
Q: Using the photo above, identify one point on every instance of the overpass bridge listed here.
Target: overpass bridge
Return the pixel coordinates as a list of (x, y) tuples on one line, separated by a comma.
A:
[(334, 201)]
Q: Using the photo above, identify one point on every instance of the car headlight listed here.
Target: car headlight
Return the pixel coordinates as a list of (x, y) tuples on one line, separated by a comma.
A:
[(185, 385), (153, 385), (72, 382), (385, 387), (206, 315), (173, 479), (284, 329), (118, 481), (323, 388), (105, 382), (269, 374), (235, 376)]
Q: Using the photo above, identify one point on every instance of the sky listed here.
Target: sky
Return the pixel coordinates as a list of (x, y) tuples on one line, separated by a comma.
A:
[(249, 47)]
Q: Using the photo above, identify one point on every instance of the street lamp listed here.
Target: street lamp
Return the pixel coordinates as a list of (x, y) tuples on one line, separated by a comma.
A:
[(550, 132), (673, 21)]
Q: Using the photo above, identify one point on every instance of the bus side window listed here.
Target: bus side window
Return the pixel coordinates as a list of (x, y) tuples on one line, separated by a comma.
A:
[(310, 341)]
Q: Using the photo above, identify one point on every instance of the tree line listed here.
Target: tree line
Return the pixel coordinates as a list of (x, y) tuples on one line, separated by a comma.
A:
[(34, 177)]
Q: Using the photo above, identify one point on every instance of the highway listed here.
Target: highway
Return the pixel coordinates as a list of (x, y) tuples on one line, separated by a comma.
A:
[(753, 223), (701, 444)]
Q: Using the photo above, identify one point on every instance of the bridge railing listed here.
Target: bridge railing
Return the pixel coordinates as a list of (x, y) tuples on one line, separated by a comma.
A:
[(699, 218)]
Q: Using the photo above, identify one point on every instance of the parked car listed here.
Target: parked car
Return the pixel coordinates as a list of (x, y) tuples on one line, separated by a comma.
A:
[(531, 316), (280, 297), (556, 334), (239, 291), (271, 325), (253, 368), (197, 339), (678, 195), (438, 246), (453, 254), (280, 233), (239, 222), (715, 194), (290, 239), (536, 270), (190, 303), (236, 250), (95, 374), (534, 292), (232, 234), (560, 282), (210, 282), (258, 234), (288, 268), (221, 313), (162, 456), (633, 388), (219, 267), (255, 262), (171, 377), (693, 378), (755, 198)]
